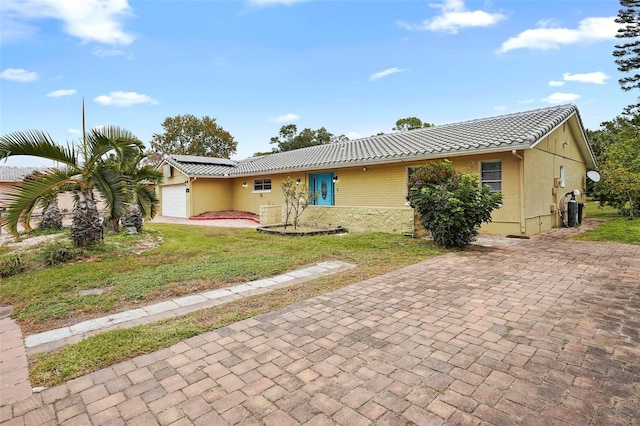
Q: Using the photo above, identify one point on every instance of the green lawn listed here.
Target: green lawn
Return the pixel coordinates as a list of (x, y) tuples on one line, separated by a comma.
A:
[(615, 228)]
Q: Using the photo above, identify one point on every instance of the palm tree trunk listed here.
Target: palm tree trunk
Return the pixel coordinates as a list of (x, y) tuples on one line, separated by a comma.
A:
[(86, 228)]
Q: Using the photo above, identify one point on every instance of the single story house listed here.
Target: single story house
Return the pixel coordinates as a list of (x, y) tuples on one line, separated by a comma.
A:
[(9, 176), (534, 158), (12, 175)]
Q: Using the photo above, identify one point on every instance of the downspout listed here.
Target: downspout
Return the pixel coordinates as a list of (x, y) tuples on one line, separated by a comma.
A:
[(523, 228), (191, 180)]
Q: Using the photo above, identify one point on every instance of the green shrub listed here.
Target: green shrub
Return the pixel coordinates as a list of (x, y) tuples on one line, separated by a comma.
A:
[(11, 266), (57, 253), (451, 205)]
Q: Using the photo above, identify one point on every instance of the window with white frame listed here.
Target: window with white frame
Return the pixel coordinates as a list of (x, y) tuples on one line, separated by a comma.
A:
[(491, 174), (262, 185), (562, 176)]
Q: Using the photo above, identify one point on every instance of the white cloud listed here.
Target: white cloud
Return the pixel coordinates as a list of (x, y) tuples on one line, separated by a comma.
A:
[(74, 132), (385, 73), (546, 38), (286, 118), (19, 75), (500, 108), (61, 92), (353, 135), (11, 31), (124, 99), (560, 98), (101, 52), (597, 77), (453, 17), (555, 83), (90, 20)]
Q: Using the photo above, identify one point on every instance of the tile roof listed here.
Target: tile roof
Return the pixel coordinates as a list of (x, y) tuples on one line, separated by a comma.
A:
[(192, 165), (16, 174), (520, 130)]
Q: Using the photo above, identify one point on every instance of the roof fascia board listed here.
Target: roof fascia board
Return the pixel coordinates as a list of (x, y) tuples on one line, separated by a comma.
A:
[(210, 176), (584, 145), (164, 161)]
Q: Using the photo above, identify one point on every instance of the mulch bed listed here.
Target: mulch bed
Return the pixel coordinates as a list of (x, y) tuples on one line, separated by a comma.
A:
[(227, 214)]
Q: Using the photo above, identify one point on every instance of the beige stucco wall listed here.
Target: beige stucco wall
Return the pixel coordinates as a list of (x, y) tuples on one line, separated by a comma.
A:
[(542, 167), (246, 199), (210, 195)]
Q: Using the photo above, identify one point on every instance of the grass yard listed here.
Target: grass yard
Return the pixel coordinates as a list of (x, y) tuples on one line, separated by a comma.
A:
[(615, 228)]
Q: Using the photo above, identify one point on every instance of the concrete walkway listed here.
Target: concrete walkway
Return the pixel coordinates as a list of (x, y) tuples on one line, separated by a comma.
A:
[(49, 340), (543, 332)]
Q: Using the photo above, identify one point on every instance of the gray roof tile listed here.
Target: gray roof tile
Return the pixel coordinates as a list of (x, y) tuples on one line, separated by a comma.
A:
[(505, 132), (16, 174), (192, 165)]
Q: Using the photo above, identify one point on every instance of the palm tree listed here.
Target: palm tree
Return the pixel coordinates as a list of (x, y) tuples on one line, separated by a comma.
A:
[(140, 178), (84, 171)]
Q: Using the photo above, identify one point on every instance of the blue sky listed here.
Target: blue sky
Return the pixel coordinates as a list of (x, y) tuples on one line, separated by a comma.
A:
[(354, 67)]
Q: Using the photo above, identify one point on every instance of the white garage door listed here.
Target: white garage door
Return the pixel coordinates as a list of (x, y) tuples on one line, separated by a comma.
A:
[(174, 201)]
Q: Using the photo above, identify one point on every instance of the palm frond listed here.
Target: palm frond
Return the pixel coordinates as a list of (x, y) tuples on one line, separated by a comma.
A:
[(146, 198), (36, 144), (147, 174), (112, 139), (22, 197), (113, 187)]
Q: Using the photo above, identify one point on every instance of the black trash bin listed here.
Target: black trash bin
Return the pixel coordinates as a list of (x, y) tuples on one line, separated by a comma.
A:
[(572, 213), (580, 210)]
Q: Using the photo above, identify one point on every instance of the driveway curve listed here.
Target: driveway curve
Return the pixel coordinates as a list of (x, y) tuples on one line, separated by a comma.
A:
[(539, 331)]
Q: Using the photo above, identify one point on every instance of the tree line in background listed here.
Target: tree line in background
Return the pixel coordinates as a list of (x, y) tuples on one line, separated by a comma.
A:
[(616, 144), (190, 135)]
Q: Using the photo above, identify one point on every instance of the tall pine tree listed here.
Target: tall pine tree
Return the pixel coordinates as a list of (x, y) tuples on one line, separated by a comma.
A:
[(628, 54)]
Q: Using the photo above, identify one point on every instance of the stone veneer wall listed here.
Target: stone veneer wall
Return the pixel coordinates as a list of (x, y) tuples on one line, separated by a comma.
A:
[(394, 220), (271, 214)]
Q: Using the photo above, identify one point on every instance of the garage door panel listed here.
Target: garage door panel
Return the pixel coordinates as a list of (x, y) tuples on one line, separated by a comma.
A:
[(174, 201)]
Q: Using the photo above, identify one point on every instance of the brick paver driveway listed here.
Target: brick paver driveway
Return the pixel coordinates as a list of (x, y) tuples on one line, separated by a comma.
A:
[(540, 331)]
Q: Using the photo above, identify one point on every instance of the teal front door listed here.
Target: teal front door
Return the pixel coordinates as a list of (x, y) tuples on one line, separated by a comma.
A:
[(322, 184)]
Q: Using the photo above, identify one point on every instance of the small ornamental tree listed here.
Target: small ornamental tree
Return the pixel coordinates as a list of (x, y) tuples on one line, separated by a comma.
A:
[(296, 200), (451, 205)]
